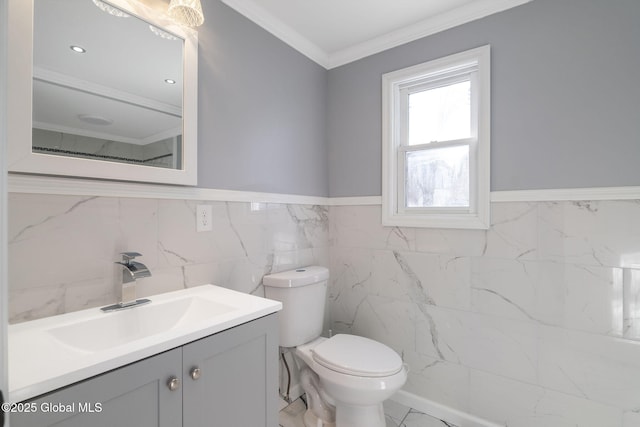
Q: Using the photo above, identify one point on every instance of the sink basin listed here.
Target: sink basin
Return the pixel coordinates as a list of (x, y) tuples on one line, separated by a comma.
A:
[(53, 352), (122, 327)]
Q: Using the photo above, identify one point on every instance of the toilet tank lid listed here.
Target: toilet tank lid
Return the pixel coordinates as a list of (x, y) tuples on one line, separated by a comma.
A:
[(299, 277)]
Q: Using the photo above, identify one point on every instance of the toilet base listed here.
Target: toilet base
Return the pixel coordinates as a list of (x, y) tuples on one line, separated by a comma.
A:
[(350, 416), (310, 420), (360, 416)]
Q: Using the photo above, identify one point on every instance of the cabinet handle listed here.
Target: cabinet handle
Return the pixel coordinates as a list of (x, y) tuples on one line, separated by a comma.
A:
[(195, 373), (173, 383)]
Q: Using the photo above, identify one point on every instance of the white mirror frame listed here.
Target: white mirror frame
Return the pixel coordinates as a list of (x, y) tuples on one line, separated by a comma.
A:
[(22, 159)]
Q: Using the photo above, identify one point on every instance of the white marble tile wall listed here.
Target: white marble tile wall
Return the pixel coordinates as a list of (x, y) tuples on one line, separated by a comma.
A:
[(534, 322), (62, 248)]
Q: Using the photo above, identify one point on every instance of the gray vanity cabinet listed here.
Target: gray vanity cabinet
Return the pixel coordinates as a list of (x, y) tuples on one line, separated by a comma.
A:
[(238, 378), (225, 380), (135, 395)]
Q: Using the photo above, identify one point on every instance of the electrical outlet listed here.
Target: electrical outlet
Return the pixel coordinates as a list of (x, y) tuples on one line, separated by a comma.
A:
[(204, 220)]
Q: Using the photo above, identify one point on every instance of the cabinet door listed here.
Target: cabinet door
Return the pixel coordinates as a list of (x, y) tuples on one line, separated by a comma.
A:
[(238, 383), (136, 395)]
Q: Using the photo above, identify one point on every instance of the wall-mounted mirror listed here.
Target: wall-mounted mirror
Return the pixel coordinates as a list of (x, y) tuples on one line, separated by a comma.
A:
[(114, 87)]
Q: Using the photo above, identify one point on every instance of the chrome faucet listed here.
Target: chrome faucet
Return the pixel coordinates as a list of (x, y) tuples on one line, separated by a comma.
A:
[(131, 271)]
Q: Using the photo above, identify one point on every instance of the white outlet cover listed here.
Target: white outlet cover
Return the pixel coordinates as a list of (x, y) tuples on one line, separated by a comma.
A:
[(204, 218)]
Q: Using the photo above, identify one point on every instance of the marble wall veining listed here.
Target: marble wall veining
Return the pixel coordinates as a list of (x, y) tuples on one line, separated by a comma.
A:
[(62, 248), (531, 323)]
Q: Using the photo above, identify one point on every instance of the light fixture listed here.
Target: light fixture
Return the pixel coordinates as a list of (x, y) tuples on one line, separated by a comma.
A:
[(160, 33), (186, 12), (77, 49), (105, 7), (170, 81), (95, 119)]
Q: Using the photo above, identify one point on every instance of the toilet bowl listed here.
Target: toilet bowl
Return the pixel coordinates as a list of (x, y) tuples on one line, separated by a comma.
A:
[(356, 374), (346, 377)]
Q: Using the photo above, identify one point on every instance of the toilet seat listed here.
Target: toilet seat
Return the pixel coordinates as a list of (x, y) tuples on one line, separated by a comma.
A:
[(358, 356)]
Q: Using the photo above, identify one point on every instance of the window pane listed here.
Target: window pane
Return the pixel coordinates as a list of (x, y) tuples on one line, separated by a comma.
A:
[(437, 177), (440, 114)]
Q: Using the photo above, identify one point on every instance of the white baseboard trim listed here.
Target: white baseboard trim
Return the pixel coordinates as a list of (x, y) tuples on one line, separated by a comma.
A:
[(440, 411)]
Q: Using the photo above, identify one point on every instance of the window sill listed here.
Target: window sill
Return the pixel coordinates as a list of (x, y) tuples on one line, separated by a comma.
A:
[(477, 221)]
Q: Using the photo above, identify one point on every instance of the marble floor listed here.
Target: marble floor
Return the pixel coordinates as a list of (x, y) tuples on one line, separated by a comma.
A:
[(397, 415)]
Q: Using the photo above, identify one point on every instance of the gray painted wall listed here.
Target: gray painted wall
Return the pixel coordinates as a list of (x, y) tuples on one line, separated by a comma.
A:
[(261, 110), (565, 98)]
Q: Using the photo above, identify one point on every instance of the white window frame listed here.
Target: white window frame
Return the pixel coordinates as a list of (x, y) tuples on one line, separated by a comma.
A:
[(473, 65)]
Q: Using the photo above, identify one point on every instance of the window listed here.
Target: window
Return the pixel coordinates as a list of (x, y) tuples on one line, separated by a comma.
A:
[(436, 143)]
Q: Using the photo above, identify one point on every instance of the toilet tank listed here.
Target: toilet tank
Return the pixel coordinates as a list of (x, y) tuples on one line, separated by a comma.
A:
[(303, 293)]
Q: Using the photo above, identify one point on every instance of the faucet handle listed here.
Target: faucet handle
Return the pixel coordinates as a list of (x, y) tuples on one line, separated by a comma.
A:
[(128, 256)]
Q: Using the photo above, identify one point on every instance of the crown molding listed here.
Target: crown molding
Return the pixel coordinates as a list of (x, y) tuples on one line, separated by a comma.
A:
[(427, 27), (328, 60), (280, 30)]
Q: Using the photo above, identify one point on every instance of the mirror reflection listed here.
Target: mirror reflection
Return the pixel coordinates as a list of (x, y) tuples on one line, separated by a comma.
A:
[(106, 85)]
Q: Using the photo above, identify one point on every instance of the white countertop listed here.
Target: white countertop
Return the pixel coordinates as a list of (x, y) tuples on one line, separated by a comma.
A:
[(41, 361)]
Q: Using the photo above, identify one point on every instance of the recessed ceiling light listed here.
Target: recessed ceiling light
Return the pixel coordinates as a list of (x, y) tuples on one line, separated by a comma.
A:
[(78, 49), (95, 119), (170, 81)]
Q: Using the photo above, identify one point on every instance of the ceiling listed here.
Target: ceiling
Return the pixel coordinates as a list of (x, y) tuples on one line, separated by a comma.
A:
[(336, 32)]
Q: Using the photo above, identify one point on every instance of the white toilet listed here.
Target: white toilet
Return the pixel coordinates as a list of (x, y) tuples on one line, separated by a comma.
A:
[(346, 377)]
